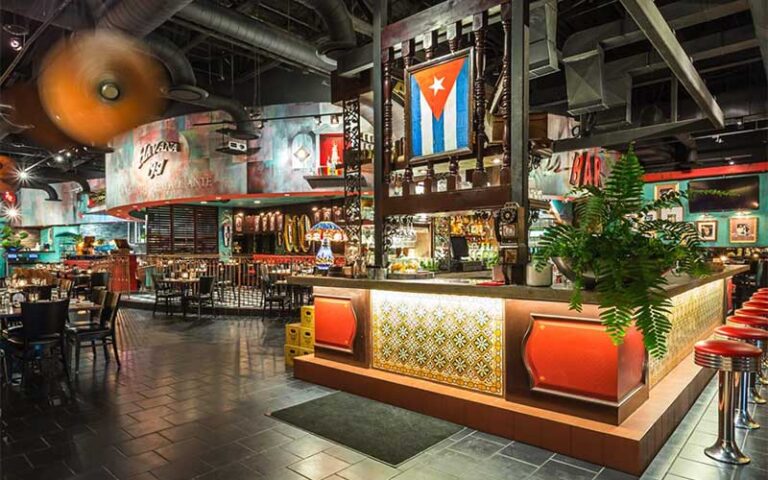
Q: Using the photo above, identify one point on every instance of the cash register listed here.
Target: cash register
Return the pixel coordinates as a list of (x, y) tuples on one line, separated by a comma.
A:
[(460, 261)]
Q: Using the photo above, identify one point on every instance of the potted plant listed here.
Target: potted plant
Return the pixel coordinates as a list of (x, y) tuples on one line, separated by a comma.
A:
[(11, 240), (615, 249)]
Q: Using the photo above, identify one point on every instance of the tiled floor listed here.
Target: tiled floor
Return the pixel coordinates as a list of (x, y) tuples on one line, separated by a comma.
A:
[(190, 400)]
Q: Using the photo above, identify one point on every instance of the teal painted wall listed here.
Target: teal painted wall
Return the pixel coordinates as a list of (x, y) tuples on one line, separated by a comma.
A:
[(723, 217)]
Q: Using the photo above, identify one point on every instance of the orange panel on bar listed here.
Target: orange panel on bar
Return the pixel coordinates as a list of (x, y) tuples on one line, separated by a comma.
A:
[(577, 357), (335, 323)]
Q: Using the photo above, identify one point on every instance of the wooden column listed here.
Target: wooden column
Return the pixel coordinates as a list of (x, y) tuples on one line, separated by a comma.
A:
[(505, 175), (430, 44), (453, 34), (479, 25), (380, 187), (518, 123), (407, 50)]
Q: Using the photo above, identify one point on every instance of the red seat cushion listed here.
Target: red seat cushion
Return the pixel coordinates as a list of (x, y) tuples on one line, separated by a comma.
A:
[(756, 322), (742, 333), (727, 348), (756, 304), (752, 312)]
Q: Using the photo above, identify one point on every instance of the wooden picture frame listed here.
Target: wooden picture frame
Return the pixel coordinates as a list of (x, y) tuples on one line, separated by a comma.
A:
[(674, 214), (707, 230), (743, 229), (415, 146), (661, 188)]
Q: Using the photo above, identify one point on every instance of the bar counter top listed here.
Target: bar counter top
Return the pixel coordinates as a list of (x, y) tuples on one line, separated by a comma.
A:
[(677, 285)]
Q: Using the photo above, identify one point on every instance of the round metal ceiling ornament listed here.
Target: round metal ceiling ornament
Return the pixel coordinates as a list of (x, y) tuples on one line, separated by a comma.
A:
[(97, 85)]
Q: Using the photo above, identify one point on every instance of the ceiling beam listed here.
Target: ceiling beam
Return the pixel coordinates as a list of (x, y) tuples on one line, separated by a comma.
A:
[(648, 17)]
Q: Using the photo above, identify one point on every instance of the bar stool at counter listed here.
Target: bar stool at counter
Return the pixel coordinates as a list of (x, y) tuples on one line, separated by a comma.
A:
[(760, 323), (756, 304), (728, 357), (758, 338)]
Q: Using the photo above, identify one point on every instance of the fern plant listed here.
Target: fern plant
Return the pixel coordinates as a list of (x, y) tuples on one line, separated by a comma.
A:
[(627, 254)]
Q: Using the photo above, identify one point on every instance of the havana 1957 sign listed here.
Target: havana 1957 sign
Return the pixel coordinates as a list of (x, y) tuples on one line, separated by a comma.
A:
[(157, 164)]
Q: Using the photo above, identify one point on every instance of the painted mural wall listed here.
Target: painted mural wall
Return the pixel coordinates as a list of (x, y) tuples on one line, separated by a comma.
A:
[(291, 149), (171, 158), (723, 218), (74, 207), (176, 158)]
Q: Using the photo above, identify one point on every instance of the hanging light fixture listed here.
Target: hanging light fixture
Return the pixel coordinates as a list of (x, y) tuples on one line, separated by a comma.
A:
[(325, 232), (334, 119)]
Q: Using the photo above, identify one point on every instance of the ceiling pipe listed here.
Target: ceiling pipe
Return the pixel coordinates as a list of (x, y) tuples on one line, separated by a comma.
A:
[(53, 195), (647, 16), (259, 35), (50, 175), (140, 17), (760, 20), (339, 23), (183, 87)]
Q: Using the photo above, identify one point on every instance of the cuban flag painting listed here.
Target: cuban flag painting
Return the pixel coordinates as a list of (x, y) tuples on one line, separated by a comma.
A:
[(439, 101)]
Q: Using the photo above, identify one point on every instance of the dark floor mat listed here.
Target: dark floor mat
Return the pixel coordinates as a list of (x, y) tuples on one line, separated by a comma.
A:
[(386, 433)]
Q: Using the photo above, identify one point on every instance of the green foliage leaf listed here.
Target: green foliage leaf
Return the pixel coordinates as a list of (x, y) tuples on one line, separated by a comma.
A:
[(628, 255)]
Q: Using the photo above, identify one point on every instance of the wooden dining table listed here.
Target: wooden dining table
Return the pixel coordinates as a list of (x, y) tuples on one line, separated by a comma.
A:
[(185, 285), (76, 306)]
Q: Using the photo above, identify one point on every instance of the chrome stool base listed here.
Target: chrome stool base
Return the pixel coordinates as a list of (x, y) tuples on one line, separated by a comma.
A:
[(756, 398), (742, 419), (727, 453)]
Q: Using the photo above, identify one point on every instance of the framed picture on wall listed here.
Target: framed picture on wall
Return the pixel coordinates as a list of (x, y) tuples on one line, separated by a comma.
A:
[(651, 216), (674, 214), (439, 98), (742, 229), (707, 230), (663, 188)]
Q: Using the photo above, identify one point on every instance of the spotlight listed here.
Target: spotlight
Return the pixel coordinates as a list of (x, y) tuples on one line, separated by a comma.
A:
[(12, 213), (68, 154), (16, 44), (719, 139), (334, 119), (58, 157), (23, 175), (318, 120)]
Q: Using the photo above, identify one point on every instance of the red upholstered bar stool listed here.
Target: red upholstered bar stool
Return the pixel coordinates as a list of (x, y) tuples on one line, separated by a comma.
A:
[(753, 322), (756, 304), (758, 338), (751, 312), (728, 357)]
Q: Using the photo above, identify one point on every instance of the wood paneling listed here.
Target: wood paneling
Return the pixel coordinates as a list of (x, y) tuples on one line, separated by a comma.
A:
[(182, 229)]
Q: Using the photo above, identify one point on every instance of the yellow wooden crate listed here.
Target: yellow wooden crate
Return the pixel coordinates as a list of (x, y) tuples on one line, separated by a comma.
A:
[(305, 351), (308, 316), (293, 334), (290, 352), (307, 338)]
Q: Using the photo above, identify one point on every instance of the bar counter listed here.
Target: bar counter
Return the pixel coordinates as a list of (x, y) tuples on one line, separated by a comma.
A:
[(510, 360)]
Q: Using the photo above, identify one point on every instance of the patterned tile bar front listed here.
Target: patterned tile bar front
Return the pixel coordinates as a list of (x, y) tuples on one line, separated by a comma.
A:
[(694, 314), (455, 340)]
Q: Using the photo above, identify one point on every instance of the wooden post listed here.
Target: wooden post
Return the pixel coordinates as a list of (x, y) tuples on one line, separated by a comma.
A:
[(407, 50), (518, 125), (453, 33), (380, 158), (479, 25), (505, 175), (430, 44)]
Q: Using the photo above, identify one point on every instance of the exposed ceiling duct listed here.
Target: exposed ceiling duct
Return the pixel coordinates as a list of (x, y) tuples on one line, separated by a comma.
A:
[(52, 175), (760, 21), (593, 86), (53, 195), (183, 87), (339, 23), (260, 35), (140, 17)]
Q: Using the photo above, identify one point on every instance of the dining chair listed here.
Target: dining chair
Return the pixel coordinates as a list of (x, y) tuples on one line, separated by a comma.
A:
[(102, 330), (203, 295), (41, 332), (43, 292), (66, 286), (165, 292), (100, 281)]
